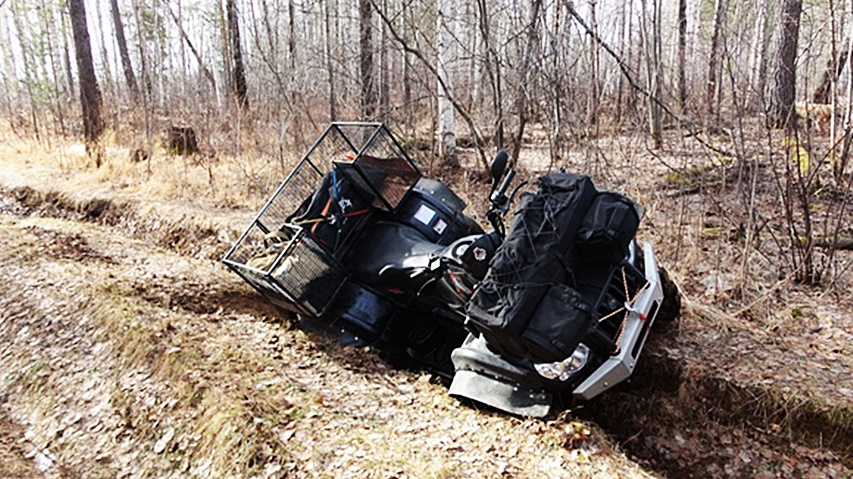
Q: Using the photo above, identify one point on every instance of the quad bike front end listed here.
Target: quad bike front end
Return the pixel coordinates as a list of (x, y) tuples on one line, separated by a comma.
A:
[(520, 386)]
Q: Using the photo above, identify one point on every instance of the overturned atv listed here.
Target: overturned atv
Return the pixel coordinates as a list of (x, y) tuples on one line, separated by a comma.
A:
[(359, 244)]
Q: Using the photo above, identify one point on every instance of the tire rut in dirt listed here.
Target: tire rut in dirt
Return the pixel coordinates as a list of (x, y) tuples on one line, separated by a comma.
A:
[(184, 235)]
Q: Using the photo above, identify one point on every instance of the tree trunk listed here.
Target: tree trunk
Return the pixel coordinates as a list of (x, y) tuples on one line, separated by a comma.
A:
[(784, 66), (832, 72), (146, 85), (524, 83), (90, 94), (620, 82), (47, 18), (122, 50), (238, 75), (66, 57), (841, 165), (592, 99), (108, 84), (446, 57), (631, 101), (384, 68), (407, 74), (654, 68), (493, 70), (682, 54), (711, 93), (758, 65), (11, 94), (330, 70), (368, 88), (227, 80), (291, 38), (30, 69)]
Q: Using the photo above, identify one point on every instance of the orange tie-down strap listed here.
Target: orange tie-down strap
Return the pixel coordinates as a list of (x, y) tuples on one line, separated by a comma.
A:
[(324, 215)]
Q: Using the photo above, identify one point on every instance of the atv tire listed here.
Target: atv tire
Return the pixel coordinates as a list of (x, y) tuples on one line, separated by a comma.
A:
[(670, 308)]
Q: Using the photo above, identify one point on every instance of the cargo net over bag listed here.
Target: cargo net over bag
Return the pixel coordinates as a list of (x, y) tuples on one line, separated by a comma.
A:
[(290, 251), (533, 301)]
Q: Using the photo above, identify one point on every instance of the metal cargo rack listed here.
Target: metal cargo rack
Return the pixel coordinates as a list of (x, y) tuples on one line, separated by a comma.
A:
[(283, 260)]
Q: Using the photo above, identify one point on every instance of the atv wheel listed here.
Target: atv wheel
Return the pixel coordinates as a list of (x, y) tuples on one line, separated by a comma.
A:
[(670, 308)]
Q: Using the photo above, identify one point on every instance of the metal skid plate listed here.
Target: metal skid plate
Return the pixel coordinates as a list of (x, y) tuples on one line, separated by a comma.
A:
[(500, 395), (487, 378)]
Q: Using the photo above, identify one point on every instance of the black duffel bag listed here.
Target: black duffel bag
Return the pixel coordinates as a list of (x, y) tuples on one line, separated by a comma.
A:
[(608, 226), (514, 306)]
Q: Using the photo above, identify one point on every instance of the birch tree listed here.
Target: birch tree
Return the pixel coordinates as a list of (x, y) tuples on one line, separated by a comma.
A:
[(445, 48)]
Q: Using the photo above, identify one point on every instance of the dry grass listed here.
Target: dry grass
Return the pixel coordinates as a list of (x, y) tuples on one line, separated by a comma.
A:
[(240, 181)]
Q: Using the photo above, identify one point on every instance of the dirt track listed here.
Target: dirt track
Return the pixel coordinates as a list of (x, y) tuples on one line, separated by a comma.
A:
[(122, 357), (127, 351)]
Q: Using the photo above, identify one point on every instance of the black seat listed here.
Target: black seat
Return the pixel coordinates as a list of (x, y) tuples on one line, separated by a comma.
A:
[(394, 249)]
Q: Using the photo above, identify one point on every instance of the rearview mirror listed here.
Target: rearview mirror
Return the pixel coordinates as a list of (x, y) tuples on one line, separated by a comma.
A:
[(498, 167)]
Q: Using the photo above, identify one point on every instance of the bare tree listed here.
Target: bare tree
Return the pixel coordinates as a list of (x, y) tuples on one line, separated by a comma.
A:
[(129, 76), (493, 70), (90, 93), (594, 82), (458, 107), (291, 37), (784, 64), (384, 68), (66, 56), (446, 126), (193, 49), (711, 92), (368, 89), (682, 54), (238, 77), (654, 68), (758, 64), (330, 70), (525, 77), (30, 68), (407, 74)]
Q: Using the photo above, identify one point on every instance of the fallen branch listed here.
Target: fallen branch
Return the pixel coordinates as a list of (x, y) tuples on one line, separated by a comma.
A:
[(841, 242)]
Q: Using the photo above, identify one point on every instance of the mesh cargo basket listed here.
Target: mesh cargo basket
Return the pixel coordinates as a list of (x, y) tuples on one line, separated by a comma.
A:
[(280, 254)]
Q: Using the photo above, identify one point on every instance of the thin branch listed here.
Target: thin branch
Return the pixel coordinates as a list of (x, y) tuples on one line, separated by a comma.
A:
[(478, 139), (626, 72), (192, 48)]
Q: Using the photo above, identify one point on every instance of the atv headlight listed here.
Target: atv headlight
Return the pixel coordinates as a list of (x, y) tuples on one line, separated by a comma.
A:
[(564, 369)]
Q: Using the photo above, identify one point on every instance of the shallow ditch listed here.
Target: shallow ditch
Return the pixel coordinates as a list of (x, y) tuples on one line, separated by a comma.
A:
[(685, 424), (186, 235), (670, 417)]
